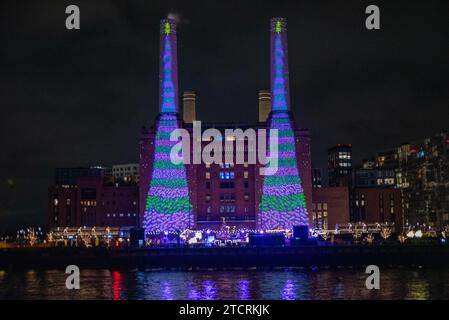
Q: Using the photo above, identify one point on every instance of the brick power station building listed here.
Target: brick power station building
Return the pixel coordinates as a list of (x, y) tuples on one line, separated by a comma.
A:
[(230, 191), (213, 192)]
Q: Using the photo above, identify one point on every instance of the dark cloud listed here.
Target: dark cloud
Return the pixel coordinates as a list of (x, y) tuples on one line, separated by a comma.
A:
[(80, 97)]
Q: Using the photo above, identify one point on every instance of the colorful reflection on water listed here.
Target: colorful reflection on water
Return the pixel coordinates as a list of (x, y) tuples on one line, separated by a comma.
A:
[(240, 285)]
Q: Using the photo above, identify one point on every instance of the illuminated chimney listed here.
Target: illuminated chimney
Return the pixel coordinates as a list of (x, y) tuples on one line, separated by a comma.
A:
[(189, 106), (168, 72), (280, 89), (264, 105)]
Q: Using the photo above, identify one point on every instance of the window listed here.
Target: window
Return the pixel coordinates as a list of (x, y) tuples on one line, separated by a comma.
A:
[(227, 209), (225, 185), (226, 175), (207, 197), (246, 184), (207, 185), (245, 174), (207, 175)]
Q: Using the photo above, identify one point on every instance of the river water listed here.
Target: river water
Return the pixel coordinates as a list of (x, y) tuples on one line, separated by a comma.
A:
[(278, 284)]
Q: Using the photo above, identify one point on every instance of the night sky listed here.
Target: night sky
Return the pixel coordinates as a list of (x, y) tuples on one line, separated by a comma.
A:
[(76, 98)]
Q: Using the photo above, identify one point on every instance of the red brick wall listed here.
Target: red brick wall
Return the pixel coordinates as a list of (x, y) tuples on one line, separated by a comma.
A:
[(372, 202), (337, 200)]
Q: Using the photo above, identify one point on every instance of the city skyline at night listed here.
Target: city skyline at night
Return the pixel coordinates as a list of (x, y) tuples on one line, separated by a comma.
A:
[(223, 157), (350, 85)]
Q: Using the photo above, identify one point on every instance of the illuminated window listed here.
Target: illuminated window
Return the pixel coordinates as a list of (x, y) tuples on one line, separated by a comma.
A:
[(207, 175), (245, 174), (226, 175)]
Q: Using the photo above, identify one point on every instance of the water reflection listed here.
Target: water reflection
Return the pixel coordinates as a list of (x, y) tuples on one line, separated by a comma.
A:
[(116, 285), (166, 291), (209, 290), (243, 285), (244, 289)]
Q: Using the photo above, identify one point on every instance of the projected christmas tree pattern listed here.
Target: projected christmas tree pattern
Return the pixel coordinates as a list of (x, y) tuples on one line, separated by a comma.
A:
[(167, 206), (283, 203)]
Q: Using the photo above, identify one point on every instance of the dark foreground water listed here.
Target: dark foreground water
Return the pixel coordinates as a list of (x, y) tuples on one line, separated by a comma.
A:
[(284, 284)]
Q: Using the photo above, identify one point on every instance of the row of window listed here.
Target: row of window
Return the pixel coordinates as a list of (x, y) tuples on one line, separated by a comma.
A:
[(88, 203), (228, 197), (226, 209), (120, 215), (228, 175), (319, 206), (227, 184), (124, 169), (227, 165)]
